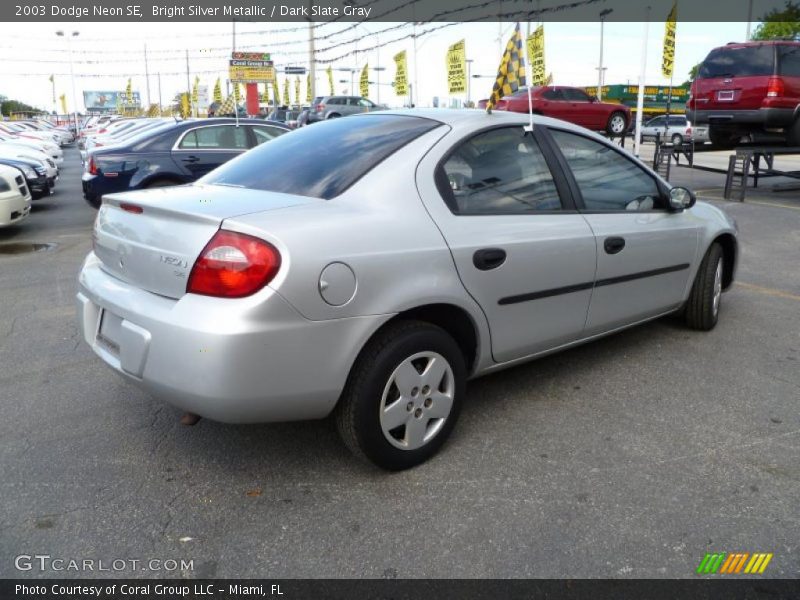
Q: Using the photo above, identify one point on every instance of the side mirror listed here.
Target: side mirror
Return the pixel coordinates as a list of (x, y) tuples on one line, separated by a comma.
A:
[(681, 198)]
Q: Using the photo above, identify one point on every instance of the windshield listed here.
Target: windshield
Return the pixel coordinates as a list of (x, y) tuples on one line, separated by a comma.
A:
[(324, 160), (745, 61)]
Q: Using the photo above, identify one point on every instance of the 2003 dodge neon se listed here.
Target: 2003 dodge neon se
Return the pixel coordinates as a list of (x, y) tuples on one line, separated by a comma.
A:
[(369, 266)]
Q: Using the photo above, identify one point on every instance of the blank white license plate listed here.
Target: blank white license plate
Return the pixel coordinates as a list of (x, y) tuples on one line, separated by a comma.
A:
[(725, 95), (108, 334)]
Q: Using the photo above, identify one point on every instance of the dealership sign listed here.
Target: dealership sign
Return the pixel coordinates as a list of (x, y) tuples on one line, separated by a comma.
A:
[(110, 101), (251, 67)]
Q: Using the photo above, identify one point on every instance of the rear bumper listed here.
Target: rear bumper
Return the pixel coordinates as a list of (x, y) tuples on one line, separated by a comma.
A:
[(762, 117), (236, 361)]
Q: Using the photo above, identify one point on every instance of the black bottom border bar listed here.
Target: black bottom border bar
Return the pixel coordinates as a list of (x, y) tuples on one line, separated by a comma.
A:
[(702, 588)]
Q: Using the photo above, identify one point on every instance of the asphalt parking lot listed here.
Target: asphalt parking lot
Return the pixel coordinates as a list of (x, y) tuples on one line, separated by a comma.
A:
[(629, 457)]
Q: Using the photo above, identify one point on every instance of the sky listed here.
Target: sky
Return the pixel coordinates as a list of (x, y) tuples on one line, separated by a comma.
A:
[(105, 55)]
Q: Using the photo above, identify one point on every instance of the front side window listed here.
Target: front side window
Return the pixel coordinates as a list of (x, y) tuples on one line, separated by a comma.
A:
[(501, 171), (608, 180), (574, 95), (265, 134)]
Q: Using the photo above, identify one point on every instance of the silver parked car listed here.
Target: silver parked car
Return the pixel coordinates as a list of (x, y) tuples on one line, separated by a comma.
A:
[(370, 266), (330, 107), (678, 131)]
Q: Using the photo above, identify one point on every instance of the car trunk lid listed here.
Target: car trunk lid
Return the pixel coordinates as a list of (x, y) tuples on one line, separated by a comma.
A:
[(152, 238), (734, 77)]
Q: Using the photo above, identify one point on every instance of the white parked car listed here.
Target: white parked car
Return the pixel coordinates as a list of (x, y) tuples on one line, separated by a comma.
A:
[(62, 135), (15, 198), (678, 131), (50, 149)]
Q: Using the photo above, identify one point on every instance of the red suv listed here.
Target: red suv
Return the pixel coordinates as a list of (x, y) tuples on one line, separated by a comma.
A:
[(573, 105), (745, 88)]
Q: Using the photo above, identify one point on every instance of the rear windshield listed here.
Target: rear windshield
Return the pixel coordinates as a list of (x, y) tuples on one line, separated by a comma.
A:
[(738, 62), (323, 160)]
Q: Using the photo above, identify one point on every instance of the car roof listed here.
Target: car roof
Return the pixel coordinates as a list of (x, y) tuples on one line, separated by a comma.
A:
[(472, 117)]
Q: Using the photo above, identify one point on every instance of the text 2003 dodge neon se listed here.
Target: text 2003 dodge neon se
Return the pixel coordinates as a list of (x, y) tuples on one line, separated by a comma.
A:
[(369, 266)]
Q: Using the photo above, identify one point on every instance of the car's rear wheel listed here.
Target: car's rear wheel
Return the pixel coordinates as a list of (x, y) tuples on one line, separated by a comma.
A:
[(158, 183), (94, 201), (793, 133), (722, 138), (702, 308), (617, 123), (403, 397), (334, 116), (677, 139)]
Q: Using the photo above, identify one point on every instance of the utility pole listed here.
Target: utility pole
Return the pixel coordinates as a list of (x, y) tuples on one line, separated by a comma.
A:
[(640, 96), (312, 61), (159, 95), (146, 76), (600, 68), (749, 19), (188, 82)]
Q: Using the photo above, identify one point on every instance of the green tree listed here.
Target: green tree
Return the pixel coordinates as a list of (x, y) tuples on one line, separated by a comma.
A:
[(11, 106), (780, 23)]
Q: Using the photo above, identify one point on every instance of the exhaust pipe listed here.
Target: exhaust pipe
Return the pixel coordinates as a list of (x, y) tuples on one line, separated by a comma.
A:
[(189, 419)]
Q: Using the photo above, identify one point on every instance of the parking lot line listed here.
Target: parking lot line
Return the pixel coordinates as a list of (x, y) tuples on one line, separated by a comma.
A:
[(769, 291)]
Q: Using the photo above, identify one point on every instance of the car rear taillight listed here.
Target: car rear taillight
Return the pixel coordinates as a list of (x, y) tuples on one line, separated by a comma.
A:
[(775, 87), (233, 265), (97, 145), (92, 166), (131, 208), (103, 130)]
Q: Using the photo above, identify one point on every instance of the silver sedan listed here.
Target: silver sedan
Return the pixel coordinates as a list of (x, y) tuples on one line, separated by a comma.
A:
[(368, 267)]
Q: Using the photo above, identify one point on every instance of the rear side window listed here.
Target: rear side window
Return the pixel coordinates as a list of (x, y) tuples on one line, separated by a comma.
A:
[(324, 160), (575, 95), (552, 94), (746, 61), (499, 172), (789, 60)]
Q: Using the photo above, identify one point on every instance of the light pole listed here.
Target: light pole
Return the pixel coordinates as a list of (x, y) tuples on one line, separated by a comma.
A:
[(352, 71), (469, 62), (62, 33), (603, 15)]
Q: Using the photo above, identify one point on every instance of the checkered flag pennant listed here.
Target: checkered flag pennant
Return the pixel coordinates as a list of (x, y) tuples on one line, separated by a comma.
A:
[(228, 107), (511, 74)]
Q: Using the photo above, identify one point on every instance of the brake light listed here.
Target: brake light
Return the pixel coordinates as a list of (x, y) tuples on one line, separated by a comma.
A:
[(97, 145), (775, 87), (103, 130), (131, 208), (233, 265), (92, 166)]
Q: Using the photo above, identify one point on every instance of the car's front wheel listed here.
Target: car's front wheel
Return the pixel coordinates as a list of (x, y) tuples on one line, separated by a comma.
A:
[(403, 396), (702, 308)]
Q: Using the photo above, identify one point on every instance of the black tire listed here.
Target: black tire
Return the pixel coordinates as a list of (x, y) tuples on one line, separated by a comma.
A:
[(677, 139), (358, 414), (94, 201), (700, 311), (333, 116), (158, 183), (722, 139), (612, 128), (793, 133)]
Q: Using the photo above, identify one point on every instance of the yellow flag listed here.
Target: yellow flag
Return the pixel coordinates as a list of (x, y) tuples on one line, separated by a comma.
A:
[(330, 79), (535, 46), (129, 93), (218, 92), (63, 98), (308, 89), (297, 90), (286, 100), (276, 93), (401, 74), (457, 68), (195, 90), (668, 57), (363, 86), (186, 109)]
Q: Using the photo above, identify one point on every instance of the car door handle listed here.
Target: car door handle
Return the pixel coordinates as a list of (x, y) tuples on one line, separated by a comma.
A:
[(613, 245), (487, 259), (191, 159)]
